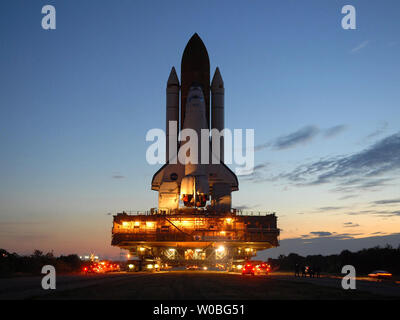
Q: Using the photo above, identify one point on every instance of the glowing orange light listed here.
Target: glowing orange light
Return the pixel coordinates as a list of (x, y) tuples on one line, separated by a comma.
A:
[(149, 224), (380, 275), (187, 223)]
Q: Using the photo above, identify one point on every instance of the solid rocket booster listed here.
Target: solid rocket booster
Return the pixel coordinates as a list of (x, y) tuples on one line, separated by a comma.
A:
[(217, 107), (172, 105)]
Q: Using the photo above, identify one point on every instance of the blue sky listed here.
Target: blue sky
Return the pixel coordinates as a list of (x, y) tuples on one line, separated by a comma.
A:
[(76, 103)]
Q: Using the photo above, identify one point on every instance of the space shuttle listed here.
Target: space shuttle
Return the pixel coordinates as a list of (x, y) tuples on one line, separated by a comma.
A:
[(194, 185)]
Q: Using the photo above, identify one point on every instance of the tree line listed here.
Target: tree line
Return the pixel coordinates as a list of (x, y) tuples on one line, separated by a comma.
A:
[(13, 263), (365, 261)]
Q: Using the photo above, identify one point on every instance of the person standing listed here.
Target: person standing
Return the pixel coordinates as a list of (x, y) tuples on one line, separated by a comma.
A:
[(297, 270)]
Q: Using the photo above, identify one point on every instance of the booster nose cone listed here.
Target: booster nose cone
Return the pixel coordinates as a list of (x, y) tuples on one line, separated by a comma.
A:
[(173, 78), (217, 81)]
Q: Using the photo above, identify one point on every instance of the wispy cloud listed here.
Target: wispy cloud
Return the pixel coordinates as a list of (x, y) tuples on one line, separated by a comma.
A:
[(300, 137), (256, 174), (334, 131), (363, 184), (350, 225), (379, 213), (291, 140), (321, 233), (329, 235), (349, 196), (117, 176), (381, 129), (329, 208), (362, 45), (246, 207), (360, 171), (262, 146), (261, 166), (387, 201)]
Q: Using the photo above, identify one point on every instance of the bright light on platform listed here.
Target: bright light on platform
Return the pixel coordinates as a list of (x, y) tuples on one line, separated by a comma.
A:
[(149, 224)]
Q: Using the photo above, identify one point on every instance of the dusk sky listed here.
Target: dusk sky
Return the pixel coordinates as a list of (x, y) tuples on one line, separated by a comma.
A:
[(76, 104)]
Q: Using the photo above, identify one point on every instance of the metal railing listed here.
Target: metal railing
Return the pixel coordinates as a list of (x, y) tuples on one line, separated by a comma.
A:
[(233, 211), (262, 236), (254, 213)]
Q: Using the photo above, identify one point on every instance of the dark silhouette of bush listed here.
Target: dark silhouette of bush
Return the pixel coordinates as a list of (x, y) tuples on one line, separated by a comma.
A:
[(365, 261), (12, 263)]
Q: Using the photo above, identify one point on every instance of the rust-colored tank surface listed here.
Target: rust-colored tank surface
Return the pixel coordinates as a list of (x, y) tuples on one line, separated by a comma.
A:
[(195, 68)]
